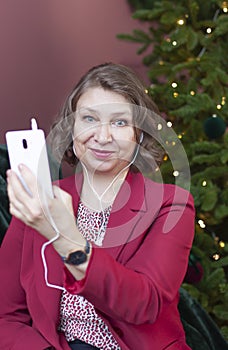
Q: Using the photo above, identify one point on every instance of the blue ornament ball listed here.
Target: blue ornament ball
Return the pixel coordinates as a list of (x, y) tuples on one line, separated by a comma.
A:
[(214, 127)]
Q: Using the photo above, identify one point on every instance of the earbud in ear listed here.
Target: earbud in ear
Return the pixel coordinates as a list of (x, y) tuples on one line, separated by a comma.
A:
[(74, 150), (141, 138)]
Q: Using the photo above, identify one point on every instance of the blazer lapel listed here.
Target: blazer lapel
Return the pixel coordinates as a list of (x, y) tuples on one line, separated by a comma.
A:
[(127, 211)]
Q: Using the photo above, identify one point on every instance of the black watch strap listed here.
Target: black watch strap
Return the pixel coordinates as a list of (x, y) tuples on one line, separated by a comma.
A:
[(77, 257)]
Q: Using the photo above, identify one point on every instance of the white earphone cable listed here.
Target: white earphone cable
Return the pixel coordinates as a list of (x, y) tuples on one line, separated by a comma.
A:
[(44, 246), (47, 212), (100, 238)]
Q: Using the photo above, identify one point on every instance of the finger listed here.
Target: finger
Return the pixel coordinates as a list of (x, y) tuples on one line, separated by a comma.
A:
[(26, 208), (15, 187), (64, 197), (29, 178), (35, 188), (16, 207), (12, 199), (15, 212), (21, 202)]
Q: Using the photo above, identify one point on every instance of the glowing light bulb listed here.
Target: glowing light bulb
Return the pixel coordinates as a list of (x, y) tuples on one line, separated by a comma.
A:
[(146, 91), (169, 124), (219, 106), (216, 256), (174, 85), (192, 93), (174, 43), (175, 94), (176, 173), (222, 244), (225, 6), (180, 22), (165, 158), (201, 223), (159, 127), (208, 30), (204, 183)]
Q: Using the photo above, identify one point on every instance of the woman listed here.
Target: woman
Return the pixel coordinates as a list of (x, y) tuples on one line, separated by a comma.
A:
[(108, 279)]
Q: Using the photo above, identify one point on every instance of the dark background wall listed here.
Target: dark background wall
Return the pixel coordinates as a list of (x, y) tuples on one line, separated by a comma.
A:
[(46, 45)]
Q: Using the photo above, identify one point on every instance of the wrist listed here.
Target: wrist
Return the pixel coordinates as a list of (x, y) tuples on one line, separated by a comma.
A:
[(77, 256), (64, 246)]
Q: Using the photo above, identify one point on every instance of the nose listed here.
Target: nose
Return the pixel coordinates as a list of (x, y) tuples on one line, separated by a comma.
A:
[(103, 133)]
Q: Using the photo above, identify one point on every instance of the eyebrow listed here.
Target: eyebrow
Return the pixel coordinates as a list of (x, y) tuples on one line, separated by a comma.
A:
[(115, 114)]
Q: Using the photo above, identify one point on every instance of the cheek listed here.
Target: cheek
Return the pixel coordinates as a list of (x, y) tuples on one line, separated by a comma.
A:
[(82, 134), (79, 145), (131, 142), (126, 140), (125, 134), (127, 149), (81, 139)]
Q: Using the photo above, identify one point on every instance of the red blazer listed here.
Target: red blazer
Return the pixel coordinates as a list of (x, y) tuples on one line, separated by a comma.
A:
[(132, 281)]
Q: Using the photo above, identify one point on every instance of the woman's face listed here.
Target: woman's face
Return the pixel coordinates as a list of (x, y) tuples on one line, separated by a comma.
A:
[(104, 135)]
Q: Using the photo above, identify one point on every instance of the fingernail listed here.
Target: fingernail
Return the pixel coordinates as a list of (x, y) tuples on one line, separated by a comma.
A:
[(8, 173), (21, 166)]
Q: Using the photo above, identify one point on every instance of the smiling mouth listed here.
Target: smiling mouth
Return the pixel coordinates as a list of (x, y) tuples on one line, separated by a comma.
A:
[(101, 154)]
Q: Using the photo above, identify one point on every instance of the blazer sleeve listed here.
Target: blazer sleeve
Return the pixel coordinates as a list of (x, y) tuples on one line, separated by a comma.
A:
[(16, 332), (136, 291)]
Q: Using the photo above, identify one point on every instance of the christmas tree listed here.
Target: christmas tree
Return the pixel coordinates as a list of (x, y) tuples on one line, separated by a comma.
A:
[(184, 47)]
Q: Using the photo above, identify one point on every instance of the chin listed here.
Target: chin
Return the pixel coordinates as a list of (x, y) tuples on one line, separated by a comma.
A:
[(113, 169)]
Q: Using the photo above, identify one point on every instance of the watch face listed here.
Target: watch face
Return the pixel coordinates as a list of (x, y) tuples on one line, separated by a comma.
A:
[(77, 258)]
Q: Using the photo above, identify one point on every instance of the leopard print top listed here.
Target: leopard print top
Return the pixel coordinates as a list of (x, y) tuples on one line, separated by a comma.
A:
[(78, 318)]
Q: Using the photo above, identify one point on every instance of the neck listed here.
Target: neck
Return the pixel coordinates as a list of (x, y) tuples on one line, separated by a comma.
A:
[(99, 190)]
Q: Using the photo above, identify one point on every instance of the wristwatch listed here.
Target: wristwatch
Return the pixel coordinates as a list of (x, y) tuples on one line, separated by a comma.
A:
[(78, 257)]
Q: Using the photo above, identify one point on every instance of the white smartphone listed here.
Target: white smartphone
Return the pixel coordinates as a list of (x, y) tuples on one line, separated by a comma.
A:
[(29, 147)]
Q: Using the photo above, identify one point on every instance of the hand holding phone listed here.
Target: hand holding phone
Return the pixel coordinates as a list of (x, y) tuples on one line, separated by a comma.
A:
[(29, 147)]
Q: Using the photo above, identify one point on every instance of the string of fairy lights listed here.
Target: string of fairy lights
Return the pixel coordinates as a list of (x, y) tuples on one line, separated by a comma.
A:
[(220, 244), (181, 22)]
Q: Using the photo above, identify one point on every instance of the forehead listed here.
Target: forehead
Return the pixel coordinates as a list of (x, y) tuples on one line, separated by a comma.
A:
[(100, 100)]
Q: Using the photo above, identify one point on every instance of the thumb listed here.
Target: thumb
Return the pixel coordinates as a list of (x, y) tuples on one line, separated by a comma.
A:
[(64, 197)]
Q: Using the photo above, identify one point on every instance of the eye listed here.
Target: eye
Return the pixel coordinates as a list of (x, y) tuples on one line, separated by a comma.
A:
[(88, 118), (120, 122)]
